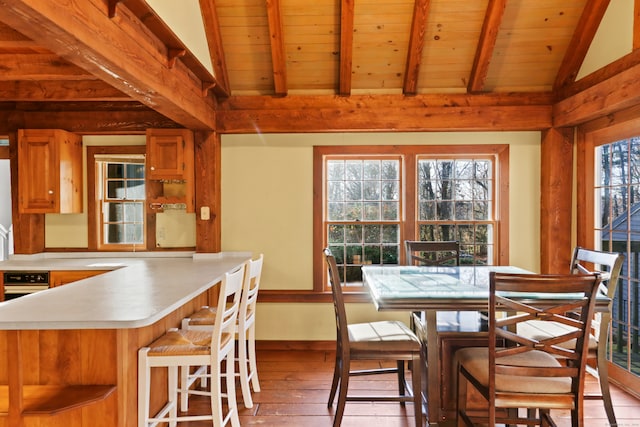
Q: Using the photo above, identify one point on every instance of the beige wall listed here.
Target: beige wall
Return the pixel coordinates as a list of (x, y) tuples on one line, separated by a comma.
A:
[(267, 207)]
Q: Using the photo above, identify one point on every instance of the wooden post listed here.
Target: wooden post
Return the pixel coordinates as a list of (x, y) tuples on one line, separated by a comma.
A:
[(207, 181), (556, 188)]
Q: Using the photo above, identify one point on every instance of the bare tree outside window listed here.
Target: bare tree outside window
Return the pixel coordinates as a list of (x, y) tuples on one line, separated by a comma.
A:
[(455, 199), (617, 229)]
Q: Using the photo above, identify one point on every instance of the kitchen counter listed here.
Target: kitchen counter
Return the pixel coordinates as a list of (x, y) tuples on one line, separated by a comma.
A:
[(68, 355), (137, 292)]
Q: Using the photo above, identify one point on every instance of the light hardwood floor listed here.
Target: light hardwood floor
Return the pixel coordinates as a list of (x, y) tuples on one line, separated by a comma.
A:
[(295, 386)]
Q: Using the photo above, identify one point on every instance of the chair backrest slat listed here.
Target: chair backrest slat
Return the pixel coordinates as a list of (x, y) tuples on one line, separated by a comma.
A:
[(250, 289), (608, 264), (510, 303), (432, 252)]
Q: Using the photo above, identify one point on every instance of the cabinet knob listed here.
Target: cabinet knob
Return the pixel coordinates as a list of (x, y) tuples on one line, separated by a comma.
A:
[(50, 191), (152, 168)]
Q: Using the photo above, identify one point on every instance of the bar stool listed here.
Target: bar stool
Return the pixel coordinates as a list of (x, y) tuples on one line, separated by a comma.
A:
[(204, 319), (179, 348)]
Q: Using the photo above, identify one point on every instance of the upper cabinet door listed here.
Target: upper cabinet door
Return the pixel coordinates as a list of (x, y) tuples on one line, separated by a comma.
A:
[(168, 153), (49, 171), (169, 173)]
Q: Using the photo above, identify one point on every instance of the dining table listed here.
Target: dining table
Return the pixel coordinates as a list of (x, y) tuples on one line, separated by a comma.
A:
[(447, 297)]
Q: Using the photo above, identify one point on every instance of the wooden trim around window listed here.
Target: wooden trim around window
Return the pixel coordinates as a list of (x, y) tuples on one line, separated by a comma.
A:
[(588, 138), (409, 153), (93, 222), (269, 295)]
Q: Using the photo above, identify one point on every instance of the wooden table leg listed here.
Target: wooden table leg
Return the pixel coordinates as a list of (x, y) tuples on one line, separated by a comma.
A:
[(433, 369)]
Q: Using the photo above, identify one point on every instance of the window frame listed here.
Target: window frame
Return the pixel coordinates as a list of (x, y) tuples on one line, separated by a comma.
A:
[(588, 137), (102, 173), (94, 223), (410, 154)]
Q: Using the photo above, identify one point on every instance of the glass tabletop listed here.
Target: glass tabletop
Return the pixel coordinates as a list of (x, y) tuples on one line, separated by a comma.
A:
[(432, 282), (442, 288)]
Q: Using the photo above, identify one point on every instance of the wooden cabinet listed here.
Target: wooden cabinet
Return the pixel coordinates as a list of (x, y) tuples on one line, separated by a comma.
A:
[(169, 171), (49, 171), (62, 277)]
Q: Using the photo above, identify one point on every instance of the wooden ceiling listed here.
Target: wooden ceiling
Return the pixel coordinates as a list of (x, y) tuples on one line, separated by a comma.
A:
[(117, 56)]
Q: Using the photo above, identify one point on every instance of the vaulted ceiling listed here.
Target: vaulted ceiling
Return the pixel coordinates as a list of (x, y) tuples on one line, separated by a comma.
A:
[(118, 56)]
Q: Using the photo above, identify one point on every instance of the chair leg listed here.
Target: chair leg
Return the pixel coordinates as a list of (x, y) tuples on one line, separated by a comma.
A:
[(144, 388), (184, 386), (172, 394), (231, 390), (216, 395), (337, 367), (416, 377), (342, 393), (603, 379), (243, 368), (401, 379), (253, 365)]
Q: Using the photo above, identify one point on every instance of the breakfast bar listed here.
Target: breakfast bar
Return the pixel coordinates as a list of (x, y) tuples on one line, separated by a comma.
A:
[(68, 355)]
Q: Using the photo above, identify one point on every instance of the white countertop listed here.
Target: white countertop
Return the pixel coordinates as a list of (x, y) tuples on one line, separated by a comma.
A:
[(140, 290)]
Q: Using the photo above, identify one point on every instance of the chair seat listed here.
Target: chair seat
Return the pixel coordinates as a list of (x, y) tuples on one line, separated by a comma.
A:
[(382, 335), (206, 316), (476, 361), (540, 330), (184, 343)]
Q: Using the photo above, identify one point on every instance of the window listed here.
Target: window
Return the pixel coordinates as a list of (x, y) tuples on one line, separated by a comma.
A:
[(617, 228), (372, 199), (116, 194), (363, 211), (455, 202), (121, 195)]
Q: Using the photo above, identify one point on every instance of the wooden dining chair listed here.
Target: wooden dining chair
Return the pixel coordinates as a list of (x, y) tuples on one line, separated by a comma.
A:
[(429, 253), (374, 341), (609, 265), (204, 320), (432, 253), (179, 348), (518, 372)]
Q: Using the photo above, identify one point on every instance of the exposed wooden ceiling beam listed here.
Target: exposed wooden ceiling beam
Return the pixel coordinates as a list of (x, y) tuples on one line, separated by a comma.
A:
[(113, 51), (346, 46), (214, 41), (47, 90), (385, 113), (486, 45), (416, 44), (614, 94), (85, 122), (580, 42), (278, 58), (608, 71), (39, 66)]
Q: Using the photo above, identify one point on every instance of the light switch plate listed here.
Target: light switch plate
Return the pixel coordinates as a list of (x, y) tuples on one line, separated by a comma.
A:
[(205, 213)]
